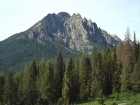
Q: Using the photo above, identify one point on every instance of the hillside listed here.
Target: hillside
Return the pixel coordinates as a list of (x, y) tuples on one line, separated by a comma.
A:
[(126, 98)]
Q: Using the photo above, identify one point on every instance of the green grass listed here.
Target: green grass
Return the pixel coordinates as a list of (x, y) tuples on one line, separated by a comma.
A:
[(128, 98)]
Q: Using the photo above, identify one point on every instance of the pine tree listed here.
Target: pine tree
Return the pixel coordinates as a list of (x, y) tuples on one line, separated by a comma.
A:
[(108, 72), (46, 85), (68, 80), (125, 78), (75, 82), (135, 77), (101, 98), (9, 89), (94, 64), (30, 88), (119, 48), (2, 82), (127, 63), (85, 77), (70, 64), (20, 93), (58, 76), (72, 80), (116, 75), (66, 88), (138, 49), (99, 75), (135, 50), (41, 70), (18, 81), (116, 83)]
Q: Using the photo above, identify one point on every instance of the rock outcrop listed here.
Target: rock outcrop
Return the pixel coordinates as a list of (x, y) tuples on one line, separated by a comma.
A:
[(76, 32)]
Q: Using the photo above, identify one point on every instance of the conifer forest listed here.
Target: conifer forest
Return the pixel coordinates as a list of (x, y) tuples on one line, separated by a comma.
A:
[(99, 74)]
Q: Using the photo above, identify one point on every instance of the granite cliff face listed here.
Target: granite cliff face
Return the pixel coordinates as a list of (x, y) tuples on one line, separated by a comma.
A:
[(76, 32)]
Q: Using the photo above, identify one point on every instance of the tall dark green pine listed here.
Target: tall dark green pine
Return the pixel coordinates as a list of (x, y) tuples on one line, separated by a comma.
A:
[(72, 80), (85, 77), (108, 72), (2, 82), (9, 89), (139, 49), (75, 83), (94, 64), (30, 88), (58, 76), (41, 70), (116, 75), (46, 85), (125, 78), (135, 50), (135, 77), (99, 75), (116, 82), (20, 85), (66, 88), (18, 82), (127, 63), (69, 79)]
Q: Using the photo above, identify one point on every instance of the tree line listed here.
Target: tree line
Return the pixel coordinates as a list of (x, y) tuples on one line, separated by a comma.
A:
[(93, 76)]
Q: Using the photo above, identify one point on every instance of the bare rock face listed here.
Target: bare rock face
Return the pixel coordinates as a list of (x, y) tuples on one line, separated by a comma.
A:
[(76, 32), (82, 32), (111, 39)]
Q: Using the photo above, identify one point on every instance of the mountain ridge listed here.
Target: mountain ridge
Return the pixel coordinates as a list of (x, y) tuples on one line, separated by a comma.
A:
[(71, 34), (80, 30)]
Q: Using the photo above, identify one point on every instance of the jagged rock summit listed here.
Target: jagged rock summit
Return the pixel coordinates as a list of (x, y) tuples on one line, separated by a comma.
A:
[(76, 32), (72, 34)]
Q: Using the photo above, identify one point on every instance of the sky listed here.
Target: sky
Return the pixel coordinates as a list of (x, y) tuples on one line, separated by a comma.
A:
[(114, 16)]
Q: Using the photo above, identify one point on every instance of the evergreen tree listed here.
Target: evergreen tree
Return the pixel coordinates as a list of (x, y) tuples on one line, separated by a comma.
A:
[(99, 75), (135, 77), (116, 83), (125, 78), (101, 98), (41, 70), (69, 79), (138, 49), (30, 88), (127, 62), (18, 81), (85, 77), (66, 88), (119, 48), (70, 64), (108, 72), (20, 91), (58, 76), (2, 82), (75, 83), (135, 50), (46, 85), (9, 89), (116, 75), (94, 64)]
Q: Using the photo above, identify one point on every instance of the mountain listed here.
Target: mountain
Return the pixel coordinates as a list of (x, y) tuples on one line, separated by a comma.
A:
[(72, 34)]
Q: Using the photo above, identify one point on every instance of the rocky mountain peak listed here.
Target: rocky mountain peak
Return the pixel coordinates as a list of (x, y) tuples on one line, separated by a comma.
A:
[(78, 33), (63, 16)]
